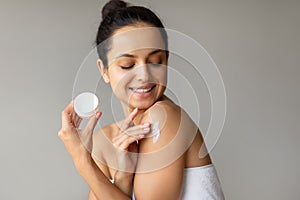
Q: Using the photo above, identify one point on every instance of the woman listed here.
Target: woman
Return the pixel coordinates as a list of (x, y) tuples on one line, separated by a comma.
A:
[(153, 152)]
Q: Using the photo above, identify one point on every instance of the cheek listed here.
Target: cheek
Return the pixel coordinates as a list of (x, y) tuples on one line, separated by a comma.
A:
[(121, 81), (160, 75)]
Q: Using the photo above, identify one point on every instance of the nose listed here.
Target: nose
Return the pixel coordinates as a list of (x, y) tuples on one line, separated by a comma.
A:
[(143, 74)]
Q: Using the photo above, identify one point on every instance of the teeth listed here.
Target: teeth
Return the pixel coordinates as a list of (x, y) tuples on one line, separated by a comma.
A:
[(142, 90)]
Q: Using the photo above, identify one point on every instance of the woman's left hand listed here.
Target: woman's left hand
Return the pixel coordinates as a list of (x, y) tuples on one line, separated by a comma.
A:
[(126, 142)]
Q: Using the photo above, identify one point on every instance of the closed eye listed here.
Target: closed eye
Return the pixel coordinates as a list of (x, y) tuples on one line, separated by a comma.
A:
[(156, 64), (127, 67)]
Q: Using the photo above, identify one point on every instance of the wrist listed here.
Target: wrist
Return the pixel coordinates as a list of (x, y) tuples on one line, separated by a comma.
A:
[(124, 181), (123, 177), (83, 160)]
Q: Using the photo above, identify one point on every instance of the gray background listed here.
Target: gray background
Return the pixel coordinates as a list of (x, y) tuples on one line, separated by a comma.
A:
[(255, 44)]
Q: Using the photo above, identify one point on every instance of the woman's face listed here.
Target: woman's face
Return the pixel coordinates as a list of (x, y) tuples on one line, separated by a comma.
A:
[(137, 63)]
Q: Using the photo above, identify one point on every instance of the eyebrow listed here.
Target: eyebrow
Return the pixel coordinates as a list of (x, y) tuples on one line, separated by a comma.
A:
[(133, 56)]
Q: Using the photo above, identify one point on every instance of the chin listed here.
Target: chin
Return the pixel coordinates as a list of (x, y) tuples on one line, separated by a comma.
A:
[(144, 103), (141, 104)]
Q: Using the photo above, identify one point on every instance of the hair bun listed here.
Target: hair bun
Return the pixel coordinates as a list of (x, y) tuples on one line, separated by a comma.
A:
[(111, 6)]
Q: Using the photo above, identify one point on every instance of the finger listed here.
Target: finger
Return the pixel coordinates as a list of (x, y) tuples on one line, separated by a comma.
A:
[(129, 120), (75, 116), (77, 123), (76, 119), (92, 122), (117, 141), (126, 143), (133, 114), (69, 108), (137, 130), (86, 135), (123, 142), (67, 121), (123, 135)]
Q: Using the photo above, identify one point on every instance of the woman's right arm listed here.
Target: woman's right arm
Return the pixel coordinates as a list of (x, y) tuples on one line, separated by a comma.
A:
[(100, 185), (121, 184), (123, 181), (102, 188)]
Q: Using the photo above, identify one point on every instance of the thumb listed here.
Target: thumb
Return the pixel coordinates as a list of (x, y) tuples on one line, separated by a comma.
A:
[(92, 122)]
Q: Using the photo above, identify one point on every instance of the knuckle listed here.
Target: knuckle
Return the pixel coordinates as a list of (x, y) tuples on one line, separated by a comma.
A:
[(62, 134), (129, 140), (117, 145), (122, 132), (125, 132), (131, 123)]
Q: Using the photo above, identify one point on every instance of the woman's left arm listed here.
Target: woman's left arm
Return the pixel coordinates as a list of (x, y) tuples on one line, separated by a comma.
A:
[(164, 184), (161, 176)]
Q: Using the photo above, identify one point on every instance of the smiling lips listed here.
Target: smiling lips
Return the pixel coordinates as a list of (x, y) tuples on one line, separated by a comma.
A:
[(143, 89)]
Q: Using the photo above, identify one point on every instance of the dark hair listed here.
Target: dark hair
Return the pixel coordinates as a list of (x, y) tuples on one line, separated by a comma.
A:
[(117, 14)]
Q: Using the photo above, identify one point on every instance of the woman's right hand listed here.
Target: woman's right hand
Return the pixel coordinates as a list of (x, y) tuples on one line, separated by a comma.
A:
[(77, 142)]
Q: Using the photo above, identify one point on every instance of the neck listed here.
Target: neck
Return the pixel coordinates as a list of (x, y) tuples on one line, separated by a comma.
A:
[(127, 110)]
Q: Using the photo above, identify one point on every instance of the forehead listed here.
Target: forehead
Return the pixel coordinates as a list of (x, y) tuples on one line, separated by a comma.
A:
[(132, 39)]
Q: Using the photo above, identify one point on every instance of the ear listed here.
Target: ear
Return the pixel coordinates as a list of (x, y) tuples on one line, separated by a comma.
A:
[(103, 71)]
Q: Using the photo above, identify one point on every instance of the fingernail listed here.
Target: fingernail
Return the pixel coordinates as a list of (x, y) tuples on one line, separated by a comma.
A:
[(135, 109), (98, 115), (147, 129), (141, 136), (146, 124)]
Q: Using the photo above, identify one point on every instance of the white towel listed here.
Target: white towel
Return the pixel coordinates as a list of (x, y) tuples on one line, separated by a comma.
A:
[(201, 183)]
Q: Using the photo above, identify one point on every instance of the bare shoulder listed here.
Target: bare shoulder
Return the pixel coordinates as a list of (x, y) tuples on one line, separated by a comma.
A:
[(163, 113), (178, 141), (172, 124)]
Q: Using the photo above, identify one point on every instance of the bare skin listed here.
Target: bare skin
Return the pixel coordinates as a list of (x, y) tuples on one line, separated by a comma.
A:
[(78, 143), (179, 142), (160, 183)]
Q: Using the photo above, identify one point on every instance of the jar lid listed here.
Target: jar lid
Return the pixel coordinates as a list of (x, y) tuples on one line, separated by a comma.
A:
[(86, 104)]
